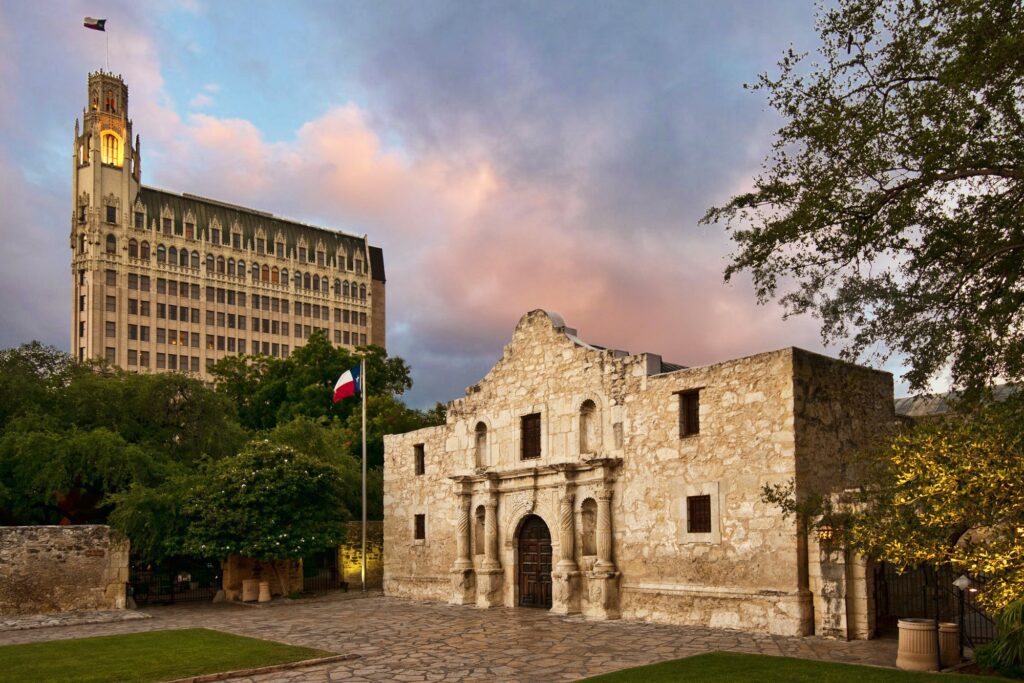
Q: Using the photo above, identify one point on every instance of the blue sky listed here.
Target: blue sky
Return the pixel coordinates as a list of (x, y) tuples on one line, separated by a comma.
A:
[(506, 156)]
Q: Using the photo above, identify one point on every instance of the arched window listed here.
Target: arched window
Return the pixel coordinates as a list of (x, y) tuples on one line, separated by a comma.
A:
[(241, 268), (220, 265), (255, 272), (588, 527), (161, 254), (183, 258), (111, 149), (81, 244), (337, 288), (305, 281), (478, 530), (316, 283), (362, 292), (344, 289), (590, 429), (111, 244), (298, 280), (231, 266), (133, 249), (265, 273), (480, 445), (109, 103), (209, 263), (275, 275), (195, 260), (172, 256), (284, 277), (144, 251)]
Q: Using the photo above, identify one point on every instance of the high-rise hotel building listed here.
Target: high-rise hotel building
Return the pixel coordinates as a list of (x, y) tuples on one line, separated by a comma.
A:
[(173, 282)]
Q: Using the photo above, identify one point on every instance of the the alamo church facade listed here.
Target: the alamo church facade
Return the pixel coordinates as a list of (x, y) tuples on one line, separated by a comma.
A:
[(587, 480)]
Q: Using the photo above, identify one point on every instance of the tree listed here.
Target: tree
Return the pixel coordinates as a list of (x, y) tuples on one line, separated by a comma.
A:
[(892, 203), (950, 491), (269, 503)]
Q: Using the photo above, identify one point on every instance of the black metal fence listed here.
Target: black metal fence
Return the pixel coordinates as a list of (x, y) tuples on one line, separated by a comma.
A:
[(928, 593), (320, 571), (179, 579)]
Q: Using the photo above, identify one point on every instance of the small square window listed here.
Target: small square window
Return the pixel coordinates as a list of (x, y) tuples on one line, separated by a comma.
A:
[(689, 413), (420, 456), (111, 276), (111, 355), (420, 532), (698, 514)]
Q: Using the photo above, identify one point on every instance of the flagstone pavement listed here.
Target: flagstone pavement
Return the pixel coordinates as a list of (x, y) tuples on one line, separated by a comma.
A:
[(403, 640)]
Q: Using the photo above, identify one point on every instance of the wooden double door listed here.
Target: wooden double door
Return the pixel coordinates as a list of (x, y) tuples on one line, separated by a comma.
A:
[(534, 570)]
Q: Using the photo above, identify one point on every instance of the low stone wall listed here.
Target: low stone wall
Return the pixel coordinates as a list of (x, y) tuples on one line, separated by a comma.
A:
[(61, 568), (350, 555), (237, 569)]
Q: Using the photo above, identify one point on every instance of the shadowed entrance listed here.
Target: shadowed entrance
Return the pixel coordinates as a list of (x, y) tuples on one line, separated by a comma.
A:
[(534, 570)]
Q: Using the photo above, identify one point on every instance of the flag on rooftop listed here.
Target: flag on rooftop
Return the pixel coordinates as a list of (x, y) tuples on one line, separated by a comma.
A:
[(95, 24)]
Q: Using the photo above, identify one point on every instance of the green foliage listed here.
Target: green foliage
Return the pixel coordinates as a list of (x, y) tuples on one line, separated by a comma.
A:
[(270, 391), (1005, 654), (269, 502), (891, 203)]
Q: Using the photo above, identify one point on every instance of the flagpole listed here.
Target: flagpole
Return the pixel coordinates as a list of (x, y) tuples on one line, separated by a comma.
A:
[(362, 391), (106, 40)]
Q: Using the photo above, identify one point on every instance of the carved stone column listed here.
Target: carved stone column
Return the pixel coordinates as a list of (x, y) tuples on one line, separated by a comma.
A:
[(565, 579), (604, 531), (462, 579), (491, 578), (603, 581)]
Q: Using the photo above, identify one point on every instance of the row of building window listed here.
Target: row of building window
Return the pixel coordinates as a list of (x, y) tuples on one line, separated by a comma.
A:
[(221, 266), (589, 431), (698, 521), (259, 245)]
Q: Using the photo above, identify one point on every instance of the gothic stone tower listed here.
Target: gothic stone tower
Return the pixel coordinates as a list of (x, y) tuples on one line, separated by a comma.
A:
[(105, 180)]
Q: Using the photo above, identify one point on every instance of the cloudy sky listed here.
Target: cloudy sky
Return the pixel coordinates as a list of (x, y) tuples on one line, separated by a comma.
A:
[(506, 156)]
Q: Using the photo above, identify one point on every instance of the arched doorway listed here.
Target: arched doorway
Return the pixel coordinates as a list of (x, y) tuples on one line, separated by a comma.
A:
[(534, 567)]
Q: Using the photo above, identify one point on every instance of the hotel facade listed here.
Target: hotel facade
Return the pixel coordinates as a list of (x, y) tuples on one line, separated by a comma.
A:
[(164, 281)]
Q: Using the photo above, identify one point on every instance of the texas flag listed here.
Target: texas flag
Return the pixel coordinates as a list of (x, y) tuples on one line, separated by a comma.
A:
[(95, 24), (349, 384)]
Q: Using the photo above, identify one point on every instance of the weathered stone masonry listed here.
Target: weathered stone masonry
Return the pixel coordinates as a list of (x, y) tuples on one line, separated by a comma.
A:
[(612, 482), (61, 568)]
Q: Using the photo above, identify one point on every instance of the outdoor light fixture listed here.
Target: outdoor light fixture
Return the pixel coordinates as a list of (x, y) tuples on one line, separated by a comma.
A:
[(963, 582)]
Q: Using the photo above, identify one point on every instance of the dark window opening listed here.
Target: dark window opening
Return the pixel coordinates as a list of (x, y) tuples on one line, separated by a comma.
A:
[(421, 528), (421, 459), (530, 427), (689, 413), (698, 514)]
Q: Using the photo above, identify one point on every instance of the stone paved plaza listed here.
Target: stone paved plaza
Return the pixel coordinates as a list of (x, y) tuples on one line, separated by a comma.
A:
[(401, 640)]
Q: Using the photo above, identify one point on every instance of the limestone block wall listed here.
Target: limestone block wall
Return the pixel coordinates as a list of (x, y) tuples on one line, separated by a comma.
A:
[(745, 573), (350, 555), (418, 568), (749, 572), (61, 569), (237, 569)]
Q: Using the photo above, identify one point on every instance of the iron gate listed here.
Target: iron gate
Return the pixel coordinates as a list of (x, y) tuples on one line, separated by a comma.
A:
[(174, 580), (320, 571), (928, 593)]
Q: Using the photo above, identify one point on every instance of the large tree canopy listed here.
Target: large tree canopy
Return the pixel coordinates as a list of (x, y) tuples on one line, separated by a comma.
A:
[(892, 204)]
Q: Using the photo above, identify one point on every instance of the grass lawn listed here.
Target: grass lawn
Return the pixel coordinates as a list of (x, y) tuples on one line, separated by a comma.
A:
[(152, 656), (733, 666)]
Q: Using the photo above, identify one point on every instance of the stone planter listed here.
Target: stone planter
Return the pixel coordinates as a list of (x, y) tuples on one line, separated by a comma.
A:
[(917, 645), (264, 591), (250, 590), (949, 644)]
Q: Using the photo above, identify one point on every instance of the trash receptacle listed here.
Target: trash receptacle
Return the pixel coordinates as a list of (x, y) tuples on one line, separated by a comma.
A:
[(949, 644), (916, 650)]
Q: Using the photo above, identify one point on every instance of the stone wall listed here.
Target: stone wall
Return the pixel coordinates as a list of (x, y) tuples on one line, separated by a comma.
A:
[(61, 568), (750, 571), (350, 555), (237, 569)]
